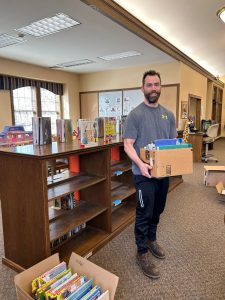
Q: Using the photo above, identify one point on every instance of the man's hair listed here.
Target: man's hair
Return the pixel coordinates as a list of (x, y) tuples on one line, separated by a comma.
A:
[(150, 73)]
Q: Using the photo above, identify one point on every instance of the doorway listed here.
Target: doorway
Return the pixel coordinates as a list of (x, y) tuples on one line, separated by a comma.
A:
[(194, 110)]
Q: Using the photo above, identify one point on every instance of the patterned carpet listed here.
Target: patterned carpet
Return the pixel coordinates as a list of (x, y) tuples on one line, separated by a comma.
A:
[(192, 231)]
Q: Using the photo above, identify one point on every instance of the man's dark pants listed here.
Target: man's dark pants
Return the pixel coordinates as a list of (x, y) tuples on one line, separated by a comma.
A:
[(151, 196)]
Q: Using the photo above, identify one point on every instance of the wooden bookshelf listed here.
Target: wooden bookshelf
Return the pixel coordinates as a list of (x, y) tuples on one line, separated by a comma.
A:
[(31, 225)]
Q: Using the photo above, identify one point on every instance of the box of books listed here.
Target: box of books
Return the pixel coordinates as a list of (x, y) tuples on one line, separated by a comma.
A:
[(168, 162), (81, 279)]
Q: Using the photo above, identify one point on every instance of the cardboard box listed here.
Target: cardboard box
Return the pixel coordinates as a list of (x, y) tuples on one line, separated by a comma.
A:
[(169, 162), (106, 280), (220, 188), (213, 175)]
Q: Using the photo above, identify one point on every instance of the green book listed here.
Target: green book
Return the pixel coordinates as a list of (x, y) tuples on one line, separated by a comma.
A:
[(168, 147)]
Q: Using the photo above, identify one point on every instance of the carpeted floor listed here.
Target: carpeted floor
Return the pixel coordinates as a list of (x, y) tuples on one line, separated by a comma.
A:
[(191, 230)]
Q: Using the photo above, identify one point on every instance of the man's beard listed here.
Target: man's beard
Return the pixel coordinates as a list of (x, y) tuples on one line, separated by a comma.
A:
[(152, 99)]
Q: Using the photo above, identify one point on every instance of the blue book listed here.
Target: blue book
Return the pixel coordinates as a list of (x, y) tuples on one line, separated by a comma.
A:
[(165, 142), (81, 291), (93, 294)]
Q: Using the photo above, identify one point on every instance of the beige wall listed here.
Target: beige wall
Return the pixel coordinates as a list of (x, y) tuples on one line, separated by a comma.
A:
[(70, 81), (191, 82), (127, 78)]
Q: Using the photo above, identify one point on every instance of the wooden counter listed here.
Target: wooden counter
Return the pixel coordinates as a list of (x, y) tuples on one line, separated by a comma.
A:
[(196, 140)]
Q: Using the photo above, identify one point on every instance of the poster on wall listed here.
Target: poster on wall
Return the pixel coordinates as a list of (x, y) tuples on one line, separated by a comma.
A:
[(110, 104), (131, 99)]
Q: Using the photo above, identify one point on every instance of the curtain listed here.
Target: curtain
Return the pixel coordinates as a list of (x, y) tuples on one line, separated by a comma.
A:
[(12, 82)]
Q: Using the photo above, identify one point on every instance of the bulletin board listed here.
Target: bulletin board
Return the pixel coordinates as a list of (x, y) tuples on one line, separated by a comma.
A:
[(131, 99), (110, 104), (116, 103)]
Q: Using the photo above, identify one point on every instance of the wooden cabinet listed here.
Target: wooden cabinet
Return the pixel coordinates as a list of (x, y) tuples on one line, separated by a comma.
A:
[(96, 176)]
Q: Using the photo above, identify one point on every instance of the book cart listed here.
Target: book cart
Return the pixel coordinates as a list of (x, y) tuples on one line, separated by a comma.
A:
[(99, 176)]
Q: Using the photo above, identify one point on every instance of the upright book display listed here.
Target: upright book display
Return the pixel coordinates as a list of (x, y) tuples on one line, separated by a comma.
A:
[(64, 130), (42, 134)]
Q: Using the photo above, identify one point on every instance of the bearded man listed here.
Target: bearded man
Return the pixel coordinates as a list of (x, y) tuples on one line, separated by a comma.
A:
[(149, 121)]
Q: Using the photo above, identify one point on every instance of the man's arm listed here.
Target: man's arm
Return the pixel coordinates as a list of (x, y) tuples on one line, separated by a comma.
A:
[(129, 149)]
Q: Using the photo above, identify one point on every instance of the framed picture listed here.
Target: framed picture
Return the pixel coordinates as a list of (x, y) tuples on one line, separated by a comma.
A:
[(184, 109)]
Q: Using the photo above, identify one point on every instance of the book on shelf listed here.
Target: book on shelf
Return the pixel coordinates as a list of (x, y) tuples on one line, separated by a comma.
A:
[(57, 242), (66, 202), (68, 130), (110, 127), (122, 123), (88, 131), (64, 130), (100, 122), (41, 127)]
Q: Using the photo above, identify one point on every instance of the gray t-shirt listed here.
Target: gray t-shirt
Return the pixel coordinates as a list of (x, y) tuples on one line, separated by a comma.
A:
[(145, 124)]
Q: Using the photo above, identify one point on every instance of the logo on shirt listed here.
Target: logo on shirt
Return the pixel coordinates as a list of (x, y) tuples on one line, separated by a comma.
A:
[(164, 117)]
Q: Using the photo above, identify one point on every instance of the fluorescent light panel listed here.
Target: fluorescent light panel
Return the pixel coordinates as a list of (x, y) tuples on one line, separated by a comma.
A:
[(8, 40), (120, 55), (74, 63), (48, 25)]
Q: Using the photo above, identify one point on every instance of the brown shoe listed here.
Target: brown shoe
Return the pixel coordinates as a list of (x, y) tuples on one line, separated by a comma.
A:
[(149, 269), (156, 250)]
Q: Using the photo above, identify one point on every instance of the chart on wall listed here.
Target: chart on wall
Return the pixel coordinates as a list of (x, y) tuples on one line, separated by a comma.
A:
[(131, 99), (110, 104)]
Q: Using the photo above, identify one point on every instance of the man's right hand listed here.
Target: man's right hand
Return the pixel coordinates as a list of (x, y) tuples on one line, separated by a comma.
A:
[(145, 170)]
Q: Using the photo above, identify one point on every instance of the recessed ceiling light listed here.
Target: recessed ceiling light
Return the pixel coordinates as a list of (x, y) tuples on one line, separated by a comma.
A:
[(221, 13), (120, 55), (48, 25), (8, 40), (73, 63)]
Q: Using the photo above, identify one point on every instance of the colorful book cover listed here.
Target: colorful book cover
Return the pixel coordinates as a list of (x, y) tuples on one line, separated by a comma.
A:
[(109, 127), (42, 279), (46, 133), (81, 291), (64, 130), (60, 130), (41, 127), (68, 130), (88, 131), (100, 122)]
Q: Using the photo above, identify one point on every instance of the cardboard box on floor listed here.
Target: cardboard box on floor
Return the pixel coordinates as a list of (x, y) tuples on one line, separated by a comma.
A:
[(220, 188), (213, 175), (170, 162), (106, 280)]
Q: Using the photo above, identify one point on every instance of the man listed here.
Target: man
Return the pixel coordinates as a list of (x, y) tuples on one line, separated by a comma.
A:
[(147, 122)]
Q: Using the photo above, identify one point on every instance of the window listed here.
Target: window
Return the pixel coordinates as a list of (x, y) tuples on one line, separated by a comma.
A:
[(25, 106), (29, 102), (50, 107)]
